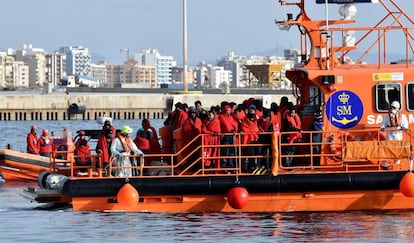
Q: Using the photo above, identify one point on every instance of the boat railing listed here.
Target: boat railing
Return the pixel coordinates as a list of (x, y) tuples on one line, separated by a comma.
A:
[(339, 151)]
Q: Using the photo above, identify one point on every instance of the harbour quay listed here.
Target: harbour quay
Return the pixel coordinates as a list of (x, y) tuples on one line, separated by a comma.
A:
[(125, 104)]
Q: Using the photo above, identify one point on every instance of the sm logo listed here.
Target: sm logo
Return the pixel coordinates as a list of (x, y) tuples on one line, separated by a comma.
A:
[(344, 109)]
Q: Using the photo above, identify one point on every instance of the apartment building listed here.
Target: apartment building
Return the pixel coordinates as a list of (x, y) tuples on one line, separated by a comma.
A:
[(6, 70), (78, 60), (20, 74), (35, 58), (162, 64), (55, 67), (99, 72)]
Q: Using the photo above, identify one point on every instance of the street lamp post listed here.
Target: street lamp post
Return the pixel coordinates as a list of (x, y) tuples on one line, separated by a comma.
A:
[(185, 46)]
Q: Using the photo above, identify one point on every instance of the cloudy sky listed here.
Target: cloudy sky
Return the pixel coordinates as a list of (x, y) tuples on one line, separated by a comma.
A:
[(215, 27)]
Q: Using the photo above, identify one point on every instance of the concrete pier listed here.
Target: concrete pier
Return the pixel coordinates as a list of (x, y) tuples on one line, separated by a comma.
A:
[(15, 106)]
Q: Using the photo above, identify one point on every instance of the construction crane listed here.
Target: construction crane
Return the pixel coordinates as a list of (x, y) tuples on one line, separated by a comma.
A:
[(127, 50)]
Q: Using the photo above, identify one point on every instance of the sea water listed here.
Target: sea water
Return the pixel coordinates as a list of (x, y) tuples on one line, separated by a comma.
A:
[(24, 221)]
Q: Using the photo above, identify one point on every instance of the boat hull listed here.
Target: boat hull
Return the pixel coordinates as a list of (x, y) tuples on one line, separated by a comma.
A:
[(16, 166), (19, 166), (258, 202), (283, 193)]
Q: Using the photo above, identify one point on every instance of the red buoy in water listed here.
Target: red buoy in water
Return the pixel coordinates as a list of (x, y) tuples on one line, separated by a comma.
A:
[(407, 185), (127, 196), (237, 197)]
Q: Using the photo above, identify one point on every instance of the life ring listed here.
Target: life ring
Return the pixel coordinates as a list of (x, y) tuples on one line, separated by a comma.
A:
[(337, 144)]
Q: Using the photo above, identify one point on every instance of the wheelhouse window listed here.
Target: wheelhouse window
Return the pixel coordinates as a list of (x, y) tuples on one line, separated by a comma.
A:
[(385, 93), (314, 102), (410, 96)]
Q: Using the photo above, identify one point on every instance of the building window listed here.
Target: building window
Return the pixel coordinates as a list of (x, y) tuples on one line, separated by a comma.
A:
[(410, 96), (385, 93)]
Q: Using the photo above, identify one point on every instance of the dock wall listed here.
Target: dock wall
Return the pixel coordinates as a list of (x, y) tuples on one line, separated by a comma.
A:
[(21, 107)]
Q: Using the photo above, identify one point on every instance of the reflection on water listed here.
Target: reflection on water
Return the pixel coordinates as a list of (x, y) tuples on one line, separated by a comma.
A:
[(68, 226)]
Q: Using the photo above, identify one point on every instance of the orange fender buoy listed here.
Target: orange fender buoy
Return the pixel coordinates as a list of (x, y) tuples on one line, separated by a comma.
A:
[(237, 197), (407, 185), (127, 196)]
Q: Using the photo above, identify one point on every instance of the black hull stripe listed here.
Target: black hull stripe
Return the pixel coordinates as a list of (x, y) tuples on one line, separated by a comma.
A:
[(220, 185)]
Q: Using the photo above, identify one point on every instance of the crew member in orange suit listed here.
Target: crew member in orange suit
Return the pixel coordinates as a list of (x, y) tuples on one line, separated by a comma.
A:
[(44, 143), (32, 141)]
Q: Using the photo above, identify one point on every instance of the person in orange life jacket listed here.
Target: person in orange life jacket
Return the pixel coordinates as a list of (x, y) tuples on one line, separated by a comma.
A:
[(275, 115), (190, 129), (142, 140), (80, 138), (283, 107), (82, 150), (211, 128), (155, 146), (395, 124), (103, 138), (107, 125), (103, 146), (122, 147), (178, 116), (291, 123), (267, 123), (250, 135), (239, 114), (228, 125), (44, 143), (31, 139)]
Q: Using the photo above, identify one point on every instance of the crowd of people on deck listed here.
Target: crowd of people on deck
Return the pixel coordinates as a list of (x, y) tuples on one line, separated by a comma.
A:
[(219, 125), (111, 142)]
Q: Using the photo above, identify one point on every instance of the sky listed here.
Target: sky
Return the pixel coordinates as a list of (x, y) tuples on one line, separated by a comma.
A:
[(215, 27)]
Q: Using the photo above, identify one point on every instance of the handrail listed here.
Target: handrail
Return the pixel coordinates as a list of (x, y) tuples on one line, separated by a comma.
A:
[(334, 155)]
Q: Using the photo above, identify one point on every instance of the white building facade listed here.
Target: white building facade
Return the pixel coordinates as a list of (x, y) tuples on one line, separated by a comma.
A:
[(162, 64), (78, 60)]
